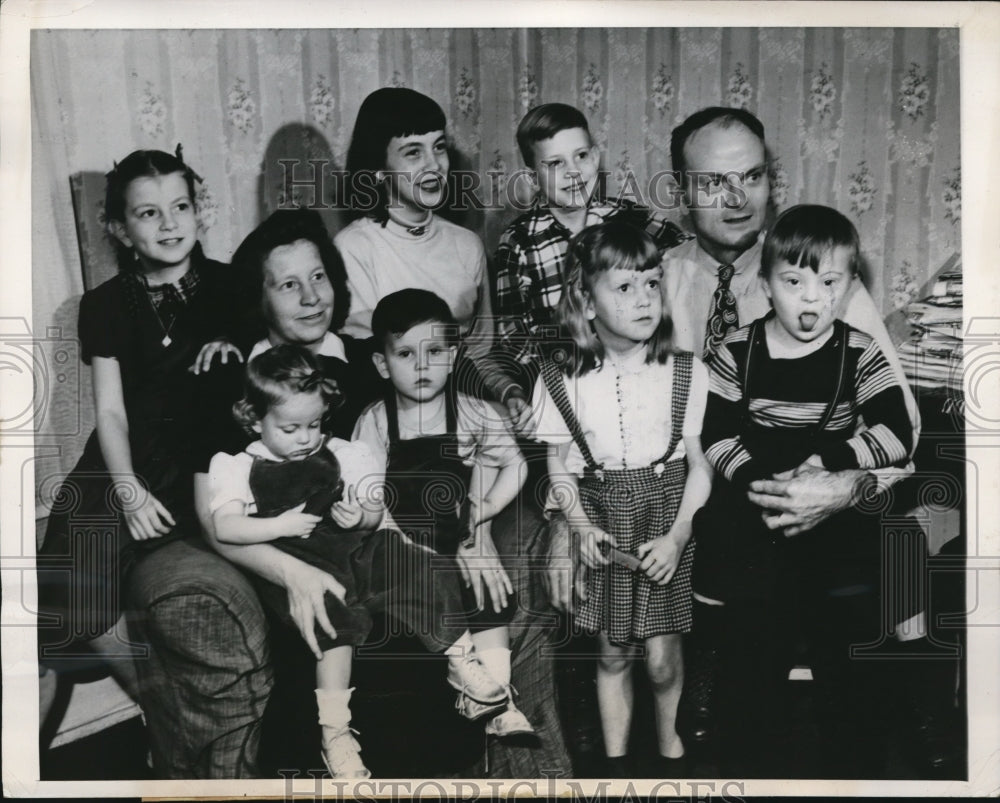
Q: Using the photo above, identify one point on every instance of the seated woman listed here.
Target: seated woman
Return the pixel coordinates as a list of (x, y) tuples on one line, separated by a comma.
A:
[(295, 291), (295, 294)]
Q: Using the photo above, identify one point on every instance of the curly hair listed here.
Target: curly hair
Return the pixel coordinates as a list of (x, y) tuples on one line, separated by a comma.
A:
[(285, 227), (278, 373)]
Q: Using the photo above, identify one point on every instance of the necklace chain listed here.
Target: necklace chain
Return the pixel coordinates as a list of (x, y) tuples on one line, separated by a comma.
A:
[(167, 340)]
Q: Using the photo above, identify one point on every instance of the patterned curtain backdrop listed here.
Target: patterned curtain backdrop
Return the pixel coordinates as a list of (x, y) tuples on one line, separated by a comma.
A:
[(866, 120)]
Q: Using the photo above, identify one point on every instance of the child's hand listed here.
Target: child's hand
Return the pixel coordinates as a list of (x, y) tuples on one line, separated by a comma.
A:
[(660, 558), (814, 460), (347, 513), (293, 523), (480, 566), (148, 519), (203, 362), (519, 411), (591, 539), (564, 577)]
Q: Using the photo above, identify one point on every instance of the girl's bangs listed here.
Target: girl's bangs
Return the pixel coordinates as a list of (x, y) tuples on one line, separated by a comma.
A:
[(613, 256)]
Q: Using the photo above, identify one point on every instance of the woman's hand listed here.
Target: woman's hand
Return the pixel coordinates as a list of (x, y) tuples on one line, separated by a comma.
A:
[(591, 538), (480, 565), (307, 587), (147, 518), (661, 556), (293, 523), (203, 362), (347, 513)]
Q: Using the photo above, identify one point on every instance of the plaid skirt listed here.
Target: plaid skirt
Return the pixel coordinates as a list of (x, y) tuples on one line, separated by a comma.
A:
[(636, 506)]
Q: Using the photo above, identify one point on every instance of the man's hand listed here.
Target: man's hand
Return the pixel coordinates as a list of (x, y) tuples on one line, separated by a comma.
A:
[(564, 574), (796, 501), (519, 410), (307, 587)]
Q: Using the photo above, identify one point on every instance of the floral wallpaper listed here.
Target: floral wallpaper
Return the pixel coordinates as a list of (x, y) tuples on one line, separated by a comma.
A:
[(866, 120)]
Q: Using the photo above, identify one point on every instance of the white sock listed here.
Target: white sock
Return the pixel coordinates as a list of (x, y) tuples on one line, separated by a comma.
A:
[(334, 707), (497, 663), (462, 647)]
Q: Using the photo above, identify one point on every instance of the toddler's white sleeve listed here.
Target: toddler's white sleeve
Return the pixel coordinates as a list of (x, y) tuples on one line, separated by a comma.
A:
[(229, 480), (358, 467)]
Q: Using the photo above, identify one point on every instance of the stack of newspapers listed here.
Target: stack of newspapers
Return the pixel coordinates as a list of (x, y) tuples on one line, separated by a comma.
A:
[(932, 358)]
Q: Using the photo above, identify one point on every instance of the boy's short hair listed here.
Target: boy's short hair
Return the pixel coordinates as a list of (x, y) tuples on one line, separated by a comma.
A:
[(804, 234), (544, 122), (399, 312), (723, 116)]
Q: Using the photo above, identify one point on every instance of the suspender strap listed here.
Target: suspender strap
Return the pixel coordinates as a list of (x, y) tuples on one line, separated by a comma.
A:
[(392, 414), (556, 386), (391, 417), (680, 390), (840, 333)]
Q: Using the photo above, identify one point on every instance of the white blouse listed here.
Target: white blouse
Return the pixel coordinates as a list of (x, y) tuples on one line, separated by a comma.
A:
[(624, 412)]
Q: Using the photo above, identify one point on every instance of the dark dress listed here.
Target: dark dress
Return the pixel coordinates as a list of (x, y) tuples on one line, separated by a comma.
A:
[(88, 549), (364, 562)]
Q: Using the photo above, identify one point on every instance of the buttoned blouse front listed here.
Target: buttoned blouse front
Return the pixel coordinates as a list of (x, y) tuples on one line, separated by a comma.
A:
[(624, 411)]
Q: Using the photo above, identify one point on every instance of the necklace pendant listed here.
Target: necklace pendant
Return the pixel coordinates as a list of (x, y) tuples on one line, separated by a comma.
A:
[(166, 341)]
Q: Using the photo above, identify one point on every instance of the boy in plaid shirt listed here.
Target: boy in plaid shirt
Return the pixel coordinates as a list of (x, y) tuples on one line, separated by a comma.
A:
[(556, 145)]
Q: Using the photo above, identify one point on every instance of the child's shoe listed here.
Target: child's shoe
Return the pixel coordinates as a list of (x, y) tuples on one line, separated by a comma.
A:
[(618, 767), (342, 755), (510, 722), (468, 675), (341, 751), (473, 710)]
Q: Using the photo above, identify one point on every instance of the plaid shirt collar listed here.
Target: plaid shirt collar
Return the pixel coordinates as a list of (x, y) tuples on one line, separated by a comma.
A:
[(543, 219), (185, 287)]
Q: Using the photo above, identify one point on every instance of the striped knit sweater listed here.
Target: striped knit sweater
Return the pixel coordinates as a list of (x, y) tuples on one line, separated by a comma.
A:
[(756, 431)]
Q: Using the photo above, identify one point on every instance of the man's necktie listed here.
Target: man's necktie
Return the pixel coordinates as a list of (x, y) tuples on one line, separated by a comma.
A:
[(723, 319)]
